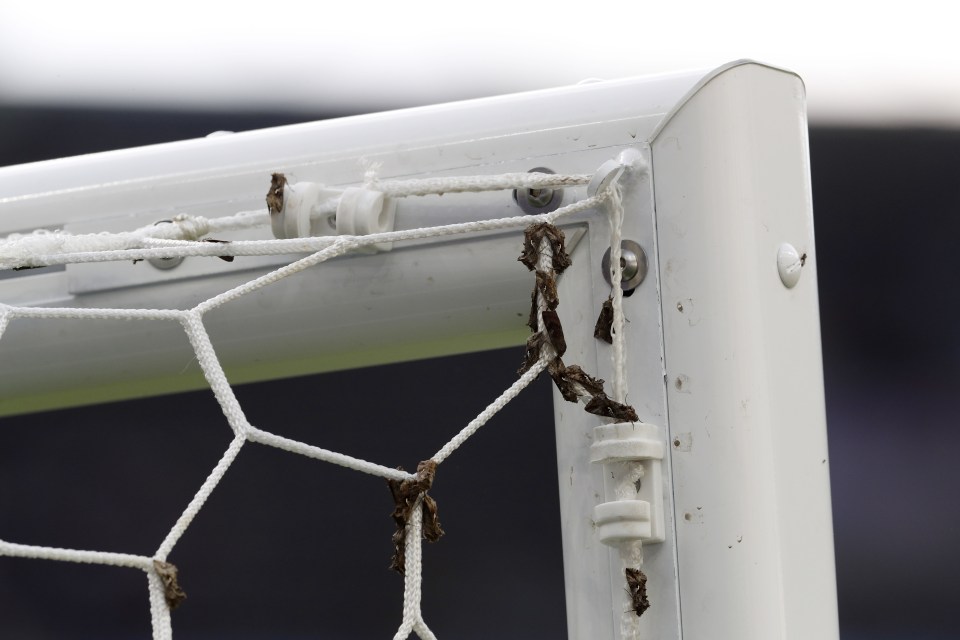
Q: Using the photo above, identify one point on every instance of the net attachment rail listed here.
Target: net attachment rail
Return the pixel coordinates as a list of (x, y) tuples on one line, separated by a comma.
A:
[(416, 513)]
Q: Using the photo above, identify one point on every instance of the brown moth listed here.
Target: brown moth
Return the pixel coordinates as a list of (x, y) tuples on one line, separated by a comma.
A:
[(604, 328), (547, 285), (557, 371), (601, 405), (637, 588), (593, 386), (532, 354), (532, 237), (572, 382), (532, 319), (172, 592), (405, 494), (554, 331), (531, 246), (275, 195)]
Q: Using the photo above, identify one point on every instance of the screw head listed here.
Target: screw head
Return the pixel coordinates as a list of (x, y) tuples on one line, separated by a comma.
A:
[(165, 264), (534, 201), (633, 261), (789, 264)]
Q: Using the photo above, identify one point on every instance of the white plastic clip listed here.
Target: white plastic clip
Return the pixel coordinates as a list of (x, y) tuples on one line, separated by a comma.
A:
[(364, 211), (632, 454), (311, 209), (611, 170), (308, 210)]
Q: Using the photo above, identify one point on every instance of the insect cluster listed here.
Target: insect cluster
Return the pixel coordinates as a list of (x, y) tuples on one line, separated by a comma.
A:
[(572, 381)]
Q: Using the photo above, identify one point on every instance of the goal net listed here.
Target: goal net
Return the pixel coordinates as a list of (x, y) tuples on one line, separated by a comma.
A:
[(648, 243), (416, 513)]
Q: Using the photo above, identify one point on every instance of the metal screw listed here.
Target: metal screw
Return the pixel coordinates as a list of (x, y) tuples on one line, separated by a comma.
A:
[(633, 261), (535, 201), (539, 198), (165, 264)]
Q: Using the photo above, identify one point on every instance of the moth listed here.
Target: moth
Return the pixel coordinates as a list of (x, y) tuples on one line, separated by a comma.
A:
[(601, 405), (405, 494), (572, 381), (547, 285), (275, 195), (637, 588), (172, 592), (532, 237), (532, 319), (554, 331), (532, 354), (591, 385), (604, 327)]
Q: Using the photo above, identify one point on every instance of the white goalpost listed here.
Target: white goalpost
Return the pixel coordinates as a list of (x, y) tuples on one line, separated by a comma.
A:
[(650, 241)]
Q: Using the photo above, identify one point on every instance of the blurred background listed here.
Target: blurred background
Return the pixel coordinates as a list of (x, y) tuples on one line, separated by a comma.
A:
[(286, 551)]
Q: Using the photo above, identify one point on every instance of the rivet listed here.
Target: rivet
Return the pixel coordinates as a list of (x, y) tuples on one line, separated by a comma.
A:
[(789, 264)]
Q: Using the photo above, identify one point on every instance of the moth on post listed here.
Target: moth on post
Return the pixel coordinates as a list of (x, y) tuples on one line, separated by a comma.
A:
[(604, 327), (637, 588), (275, 195)]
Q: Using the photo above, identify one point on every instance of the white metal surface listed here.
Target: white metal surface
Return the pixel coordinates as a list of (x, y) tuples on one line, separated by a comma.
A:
[(593, 572), (412, 303), (735, 376), (743, 365), (724, 359)]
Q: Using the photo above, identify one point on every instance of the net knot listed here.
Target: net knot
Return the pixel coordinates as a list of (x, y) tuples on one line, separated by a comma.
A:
[(406, 495), (192, 227), (371, 172)]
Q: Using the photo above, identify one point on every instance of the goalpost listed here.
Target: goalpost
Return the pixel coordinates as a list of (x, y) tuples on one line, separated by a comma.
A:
[(693, 483)]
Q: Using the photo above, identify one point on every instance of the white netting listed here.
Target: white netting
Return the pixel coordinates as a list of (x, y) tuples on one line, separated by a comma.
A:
[(184, 237)]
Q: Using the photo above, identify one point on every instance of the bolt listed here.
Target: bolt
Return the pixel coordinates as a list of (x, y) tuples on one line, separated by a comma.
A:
[(165, 264), (536, 201), (633, 264)]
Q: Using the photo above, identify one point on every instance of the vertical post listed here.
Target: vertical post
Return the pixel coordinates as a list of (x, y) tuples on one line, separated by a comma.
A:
[(595, 581), (742, 354), (724, 356)]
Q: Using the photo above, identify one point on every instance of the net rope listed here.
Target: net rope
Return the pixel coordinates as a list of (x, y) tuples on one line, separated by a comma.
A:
[(184, 238)]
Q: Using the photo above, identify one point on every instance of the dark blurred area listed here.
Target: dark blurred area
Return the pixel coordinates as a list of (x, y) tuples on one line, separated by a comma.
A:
[(287, 548)]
